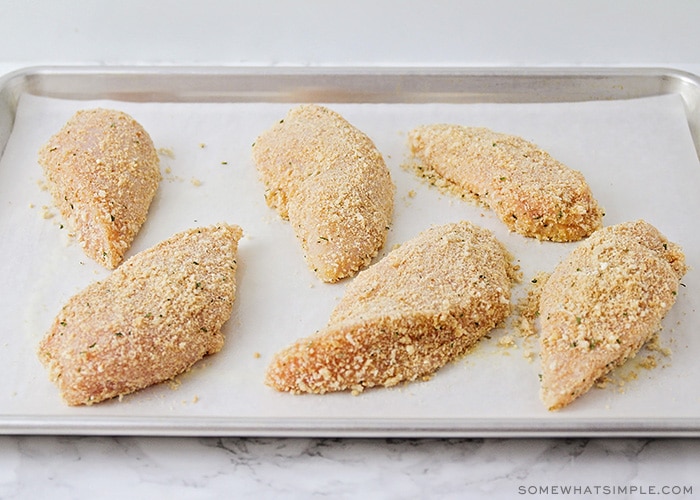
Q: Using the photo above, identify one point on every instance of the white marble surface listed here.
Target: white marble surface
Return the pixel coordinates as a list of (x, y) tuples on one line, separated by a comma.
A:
[(360, 33), (80, 467)]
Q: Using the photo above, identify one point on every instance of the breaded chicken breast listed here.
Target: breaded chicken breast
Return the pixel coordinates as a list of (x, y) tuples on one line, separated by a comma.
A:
[(602, 303), (150, 320), (531, 192), (102, 171), (330, 181), (420, 307)]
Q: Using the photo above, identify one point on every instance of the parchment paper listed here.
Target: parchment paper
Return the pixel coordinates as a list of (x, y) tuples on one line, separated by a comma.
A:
[(637, 156)]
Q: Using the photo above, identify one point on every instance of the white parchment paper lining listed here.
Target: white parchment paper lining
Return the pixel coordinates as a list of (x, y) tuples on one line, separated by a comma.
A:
[(637, 155)]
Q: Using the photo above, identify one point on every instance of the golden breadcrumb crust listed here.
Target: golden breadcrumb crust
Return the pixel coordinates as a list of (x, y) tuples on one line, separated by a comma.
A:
[(602, 303), (150, 320), (102, 171), (531, 192), (423, 305), (331, 182)]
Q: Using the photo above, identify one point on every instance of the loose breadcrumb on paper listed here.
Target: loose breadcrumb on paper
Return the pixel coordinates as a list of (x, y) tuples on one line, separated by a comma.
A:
[(506, 341), (648, 362), (46, 213), (528, 307), (654, 345), (529, 354), (167, 152)]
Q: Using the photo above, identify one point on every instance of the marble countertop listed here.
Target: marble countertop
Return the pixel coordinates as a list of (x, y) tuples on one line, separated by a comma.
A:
[(184, 468), (406, 33)]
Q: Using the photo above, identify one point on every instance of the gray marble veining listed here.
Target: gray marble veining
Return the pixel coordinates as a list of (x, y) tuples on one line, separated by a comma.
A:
[(80, 467)]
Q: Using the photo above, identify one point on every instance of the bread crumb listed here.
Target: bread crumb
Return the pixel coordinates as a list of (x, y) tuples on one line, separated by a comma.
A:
[(166, 152), (506, 341), (528, 307), (529, 354), (648, 362), (196, 182), (46, 213), (654, 345)]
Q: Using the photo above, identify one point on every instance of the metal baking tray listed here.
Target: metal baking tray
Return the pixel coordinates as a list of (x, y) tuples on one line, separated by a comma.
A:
[(342, 86)]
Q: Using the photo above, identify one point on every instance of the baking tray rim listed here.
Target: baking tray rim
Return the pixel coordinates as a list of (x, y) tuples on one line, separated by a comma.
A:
[(654, 81), (173, 83), (347, 428), (137, 76)]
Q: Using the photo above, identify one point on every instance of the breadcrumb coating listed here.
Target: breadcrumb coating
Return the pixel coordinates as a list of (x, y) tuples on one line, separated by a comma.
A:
[(102, 171), (531, 192), (329, 180), (602, 303), (150, 320), (423, 305)]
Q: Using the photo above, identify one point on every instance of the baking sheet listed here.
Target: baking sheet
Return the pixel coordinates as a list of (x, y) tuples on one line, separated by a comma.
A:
[(637, 154)]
